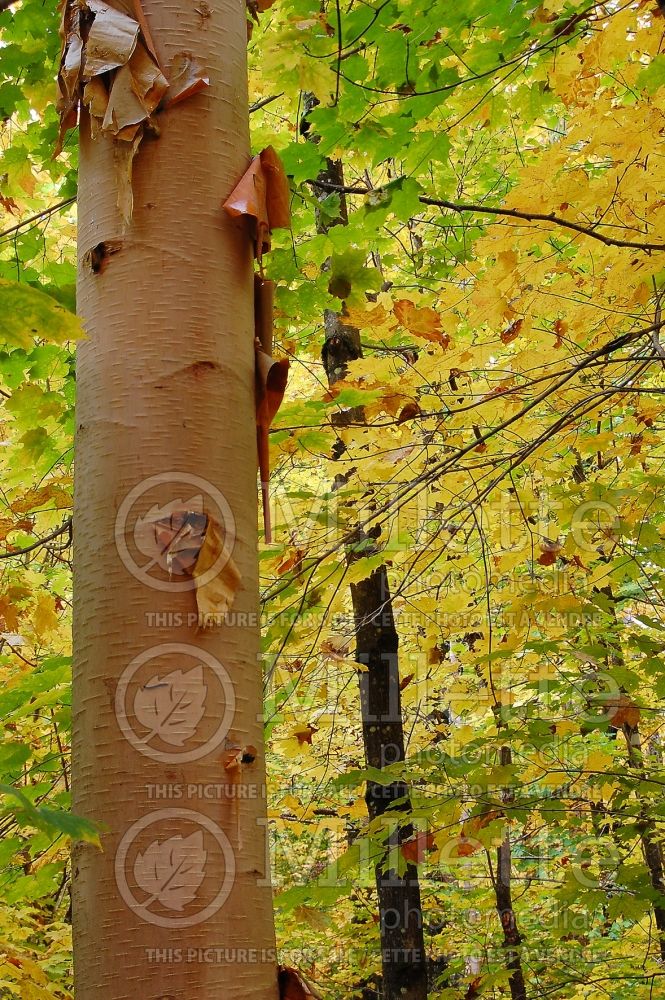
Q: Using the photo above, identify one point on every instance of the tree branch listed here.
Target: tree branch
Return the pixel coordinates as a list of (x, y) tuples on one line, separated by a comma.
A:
[(67, 526), (511, 213), (262, 104), (40, 215)]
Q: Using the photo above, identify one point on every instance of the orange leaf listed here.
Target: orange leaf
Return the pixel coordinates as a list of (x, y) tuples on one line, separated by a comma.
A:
[(472, 991), (9, 205), (622, 711), (548, 552), (420, 321), (483, 819), (464, 847), (408, 412), (417, 847), (560, 328), (293, 560), (304, 734), (513, 331)]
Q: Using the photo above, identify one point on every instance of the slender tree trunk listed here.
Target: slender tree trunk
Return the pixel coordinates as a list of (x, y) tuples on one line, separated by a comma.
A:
[(648, 833), (511, 935), (168, 749), (651, 845), (400, 910), (403, 959), (512, 938)]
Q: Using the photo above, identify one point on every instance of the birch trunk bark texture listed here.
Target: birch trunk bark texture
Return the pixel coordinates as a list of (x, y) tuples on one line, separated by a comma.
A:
[(168, 748)]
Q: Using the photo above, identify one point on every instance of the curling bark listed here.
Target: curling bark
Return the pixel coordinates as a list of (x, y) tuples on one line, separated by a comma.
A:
[(166, 390)]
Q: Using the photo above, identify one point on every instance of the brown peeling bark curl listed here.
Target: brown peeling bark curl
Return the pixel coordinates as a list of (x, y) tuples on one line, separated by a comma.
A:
[(166, 387), (261, 199), (110, 68)]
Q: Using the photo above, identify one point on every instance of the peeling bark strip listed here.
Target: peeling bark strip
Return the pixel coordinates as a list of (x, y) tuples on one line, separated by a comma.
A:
[(261, 197), (166, 384), (110, 67), (271, 379)]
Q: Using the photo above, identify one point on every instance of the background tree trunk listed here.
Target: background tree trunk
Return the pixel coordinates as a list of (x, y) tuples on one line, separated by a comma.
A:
[(403, 957), (166, 389)]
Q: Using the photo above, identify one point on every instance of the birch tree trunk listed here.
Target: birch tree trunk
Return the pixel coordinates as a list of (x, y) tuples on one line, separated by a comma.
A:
[(168, 749)]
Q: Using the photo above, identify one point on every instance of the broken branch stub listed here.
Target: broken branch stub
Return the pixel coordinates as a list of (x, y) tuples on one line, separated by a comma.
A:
[(109, 65)]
